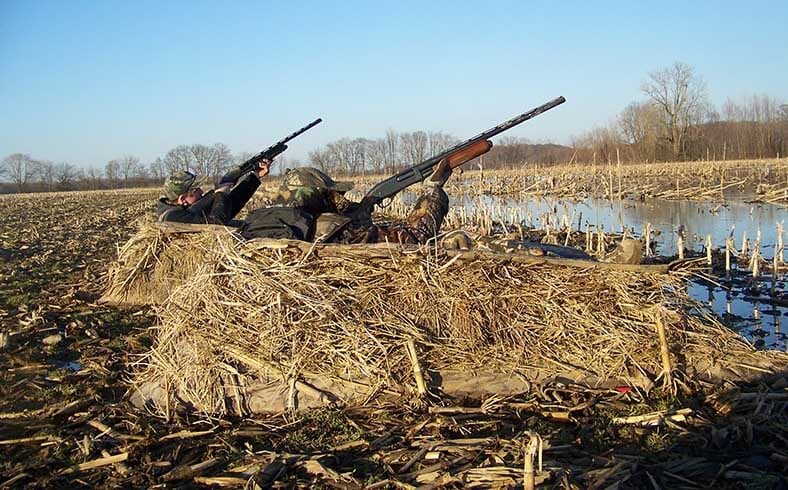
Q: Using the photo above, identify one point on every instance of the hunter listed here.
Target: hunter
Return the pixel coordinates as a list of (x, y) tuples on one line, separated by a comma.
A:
[(186, 202), (339, 220)]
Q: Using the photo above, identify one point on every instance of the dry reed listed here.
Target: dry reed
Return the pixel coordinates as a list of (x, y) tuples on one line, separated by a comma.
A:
[(346, 313), (692, 180), (152, 263)]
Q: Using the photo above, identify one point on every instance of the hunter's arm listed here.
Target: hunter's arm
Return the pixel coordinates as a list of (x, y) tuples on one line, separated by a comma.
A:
[(240, 194), (194, 214), (230, 178)]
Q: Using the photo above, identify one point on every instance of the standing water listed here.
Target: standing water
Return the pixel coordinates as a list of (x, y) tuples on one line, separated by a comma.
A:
[(757, 308)]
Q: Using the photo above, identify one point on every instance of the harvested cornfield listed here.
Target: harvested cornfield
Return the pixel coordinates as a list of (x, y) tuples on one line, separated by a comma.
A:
[(261, 322), (64, 419)]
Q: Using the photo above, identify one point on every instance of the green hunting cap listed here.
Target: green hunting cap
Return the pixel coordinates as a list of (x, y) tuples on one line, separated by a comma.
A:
[(178, 183), (313, 177)]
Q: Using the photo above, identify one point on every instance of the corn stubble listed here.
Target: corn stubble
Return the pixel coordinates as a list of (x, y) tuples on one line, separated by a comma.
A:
[(350, 314)]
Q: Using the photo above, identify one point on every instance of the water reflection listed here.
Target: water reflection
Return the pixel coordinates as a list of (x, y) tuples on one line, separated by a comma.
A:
[(69, 365), (743, 303), (667, 218), (758, 321)]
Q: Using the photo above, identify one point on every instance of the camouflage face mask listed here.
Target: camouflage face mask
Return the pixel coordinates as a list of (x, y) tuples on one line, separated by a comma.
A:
[(315, 178), (311, 198)]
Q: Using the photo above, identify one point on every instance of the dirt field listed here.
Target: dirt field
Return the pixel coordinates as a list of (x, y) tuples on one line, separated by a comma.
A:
[(65, 419)]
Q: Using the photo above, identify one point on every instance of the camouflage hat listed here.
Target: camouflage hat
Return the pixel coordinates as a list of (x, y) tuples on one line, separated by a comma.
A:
[(312, 177), (178, 183)]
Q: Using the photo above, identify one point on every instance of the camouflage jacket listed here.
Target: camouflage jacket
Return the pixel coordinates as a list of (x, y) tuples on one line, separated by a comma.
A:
[(421, 224)]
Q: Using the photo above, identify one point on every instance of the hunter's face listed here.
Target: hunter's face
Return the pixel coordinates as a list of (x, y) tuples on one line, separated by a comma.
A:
[(191, 197)]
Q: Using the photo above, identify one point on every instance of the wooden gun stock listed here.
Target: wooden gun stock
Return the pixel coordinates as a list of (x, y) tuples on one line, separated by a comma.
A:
[(467, 154)]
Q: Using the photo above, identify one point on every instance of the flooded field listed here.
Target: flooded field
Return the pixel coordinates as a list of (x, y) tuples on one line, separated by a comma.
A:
[(755, 307), (66, 414)]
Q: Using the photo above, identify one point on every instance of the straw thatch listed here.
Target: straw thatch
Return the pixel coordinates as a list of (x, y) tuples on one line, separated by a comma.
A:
[(278, 313), (156, 260)]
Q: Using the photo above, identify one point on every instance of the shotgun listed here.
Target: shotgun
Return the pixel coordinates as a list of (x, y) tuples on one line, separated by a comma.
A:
[(457, 155), (274, 150)]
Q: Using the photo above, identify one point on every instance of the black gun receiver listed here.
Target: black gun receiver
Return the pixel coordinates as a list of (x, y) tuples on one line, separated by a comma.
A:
[(274, 150)]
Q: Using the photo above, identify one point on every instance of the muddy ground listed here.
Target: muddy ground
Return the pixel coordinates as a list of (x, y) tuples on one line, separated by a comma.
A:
[(65, 419)]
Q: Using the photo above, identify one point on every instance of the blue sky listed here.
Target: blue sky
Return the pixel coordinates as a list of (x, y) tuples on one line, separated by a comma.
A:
[(86, 82)]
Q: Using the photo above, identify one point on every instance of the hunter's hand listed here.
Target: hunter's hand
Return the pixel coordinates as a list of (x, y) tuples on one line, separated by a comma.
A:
[(440, 175), (264, 168), (223, 187)]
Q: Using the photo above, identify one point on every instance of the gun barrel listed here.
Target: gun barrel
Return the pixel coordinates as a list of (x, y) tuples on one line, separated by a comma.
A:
[(457, 154), (506, 125), (300, 131), (274, 150)]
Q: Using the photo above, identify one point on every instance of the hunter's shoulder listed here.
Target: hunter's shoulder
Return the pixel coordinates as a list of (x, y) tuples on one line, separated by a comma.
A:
[(164, 204)]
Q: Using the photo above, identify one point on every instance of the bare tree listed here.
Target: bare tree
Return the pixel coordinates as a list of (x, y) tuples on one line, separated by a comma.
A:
[(681, 97), (376, 155), (211, 161), (141, 175), (202, 159), (755, 126), (393, 150), (508, 151), (93, 178), (66, 176), (414, 146), (320, 158), (112, 171), (157, 169), (127, 166), (178, 158), (223, 159), (601, 142), (640, 125), (45, 171), (357, 156), (20, 168), (339, 156), (438, 141)]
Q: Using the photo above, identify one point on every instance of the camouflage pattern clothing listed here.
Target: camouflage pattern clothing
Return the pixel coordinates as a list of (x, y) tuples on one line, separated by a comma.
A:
[(628, 251), (314, 191), (422, 224), (311, 199), (180, 182), (213, 207), (313, 177)]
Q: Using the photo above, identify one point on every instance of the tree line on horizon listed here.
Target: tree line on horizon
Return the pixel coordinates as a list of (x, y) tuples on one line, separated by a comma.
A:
[(675, 122), (28, 174)]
